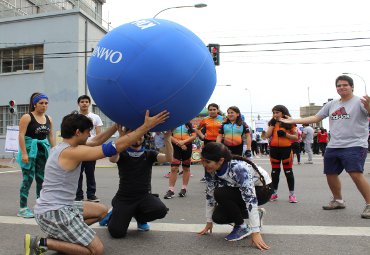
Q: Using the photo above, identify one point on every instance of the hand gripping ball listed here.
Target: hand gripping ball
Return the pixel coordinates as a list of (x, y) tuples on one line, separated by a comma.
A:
[(153, 65)]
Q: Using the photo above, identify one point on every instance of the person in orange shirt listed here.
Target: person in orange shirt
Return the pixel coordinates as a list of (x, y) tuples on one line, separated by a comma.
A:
[(212, 125), (281, 150)]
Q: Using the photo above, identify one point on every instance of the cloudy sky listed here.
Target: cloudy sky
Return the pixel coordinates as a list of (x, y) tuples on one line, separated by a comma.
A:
[(289, 52)]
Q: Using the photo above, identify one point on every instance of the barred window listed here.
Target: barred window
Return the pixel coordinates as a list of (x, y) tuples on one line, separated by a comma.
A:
[(9, 119), (29, 58)]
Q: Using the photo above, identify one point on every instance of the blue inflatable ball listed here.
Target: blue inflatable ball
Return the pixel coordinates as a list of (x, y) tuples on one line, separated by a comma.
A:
[(153, 65)]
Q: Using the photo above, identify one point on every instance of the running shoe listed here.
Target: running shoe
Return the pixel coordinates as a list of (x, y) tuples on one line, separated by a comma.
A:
[(182, 193), (366, 212), (93, 199), (31, 246), (274, 197), (170, 194), (203, 180), (261, 213), (293, 199), (25, 213), (238, 233), (105, 220), (143, 226), (333, 205), (167, 175)]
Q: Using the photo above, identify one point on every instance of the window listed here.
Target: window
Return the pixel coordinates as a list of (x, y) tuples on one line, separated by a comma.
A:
[(8, 119), (106, 121), (91, 4), (29, 58)]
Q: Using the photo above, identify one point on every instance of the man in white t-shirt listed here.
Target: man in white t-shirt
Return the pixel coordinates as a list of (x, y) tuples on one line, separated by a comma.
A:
[(307, 138), (347, 148), (88, 167)]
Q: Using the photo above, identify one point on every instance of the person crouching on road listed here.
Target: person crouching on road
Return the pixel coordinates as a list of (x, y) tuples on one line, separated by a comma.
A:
[(231, 194)]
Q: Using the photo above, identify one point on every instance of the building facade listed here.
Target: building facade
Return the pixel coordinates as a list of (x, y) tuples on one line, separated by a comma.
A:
[(311, 109), (45, 47)]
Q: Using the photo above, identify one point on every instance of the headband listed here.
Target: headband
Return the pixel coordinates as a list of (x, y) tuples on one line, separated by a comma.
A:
[(38, 98)]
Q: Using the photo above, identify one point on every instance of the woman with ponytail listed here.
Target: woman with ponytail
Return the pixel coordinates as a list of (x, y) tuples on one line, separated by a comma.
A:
[(231, 194), (35, 139)]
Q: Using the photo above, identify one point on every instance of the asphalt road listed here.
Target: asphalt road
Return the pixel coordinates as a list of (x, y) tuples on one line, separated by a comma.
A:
[(302, 228)]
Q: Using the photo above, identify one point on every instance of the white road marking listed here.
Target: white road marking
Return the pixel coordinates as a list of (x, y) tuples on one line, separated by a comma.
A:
[(10, 171), (194, 228)]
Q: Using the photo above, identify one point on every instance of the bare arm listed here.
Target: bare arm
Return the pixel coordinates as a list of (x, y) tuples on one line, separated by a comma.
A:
[(167, 156), (249, 141), (51, 138), (23, 124), (199, 133), (98, 130), (269, 131), (72, 156), (292, 136), (219, 138), (189, 140), (102, 137), (366, 102), (114, 159), (307, 120), (121, 132)]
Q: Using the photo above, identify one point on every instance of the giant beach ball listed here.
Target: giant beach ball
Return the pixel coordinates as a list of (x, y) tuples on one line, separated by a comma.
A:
[(154, 65)]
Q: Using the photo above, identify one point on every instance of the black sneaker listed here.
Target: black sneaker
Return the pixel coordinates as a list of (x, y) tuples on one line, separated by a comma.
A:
[(182, 193), (203, 180), (93, 199), (79, 199), (170, 194)]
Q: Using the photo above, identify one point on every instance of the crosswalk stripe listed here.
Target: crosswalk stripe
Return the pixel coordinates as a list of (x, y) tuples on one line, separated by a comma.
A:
[(194, 228)]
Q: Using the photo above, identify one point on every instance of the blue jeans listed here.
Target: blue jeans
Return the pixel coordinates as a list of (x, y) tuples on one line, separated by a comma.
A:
[(89, 168)]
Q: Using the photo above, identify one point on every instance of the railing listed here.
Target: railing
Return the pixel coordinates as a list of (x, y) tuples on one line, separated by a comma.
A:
[(32, 7)]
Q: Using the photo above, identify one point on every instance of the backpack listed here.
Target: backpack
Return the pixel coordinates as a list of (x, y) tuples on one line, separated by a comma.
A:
[(262, 185)]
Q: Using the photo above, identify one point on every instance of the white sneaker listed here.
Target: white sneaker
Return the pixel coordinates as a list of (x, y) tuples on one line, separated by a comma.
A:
[(261, 213)]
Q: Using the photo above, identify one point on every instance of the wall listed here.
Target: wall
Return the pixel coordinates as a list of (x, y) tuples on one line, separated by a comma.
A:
[(63, 79)]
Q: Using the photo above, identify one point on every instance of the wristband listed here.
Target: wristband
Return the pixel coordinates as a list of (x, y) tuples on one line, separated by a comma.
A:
[(109, 149)]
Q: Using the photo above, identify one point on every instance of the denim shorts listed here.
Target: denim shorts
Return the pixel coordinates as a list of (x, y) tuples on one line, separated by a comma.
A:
[(351, 159)]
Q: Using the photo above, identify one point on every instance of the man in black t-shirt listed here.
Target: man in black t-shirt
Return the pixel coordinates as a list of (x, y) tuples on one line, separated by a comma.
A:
[(134, 198)]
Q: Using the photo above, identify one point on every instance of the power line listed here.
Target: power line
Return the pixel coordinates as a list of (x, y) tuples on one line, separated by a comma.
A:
[(297, 49), (294, 42), (298, 63)]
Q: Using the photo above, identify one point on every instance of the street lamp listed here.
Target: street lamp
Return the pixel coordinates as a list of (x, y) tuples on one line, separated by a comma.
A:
[(250, 101), (360, 78), (222, 85), (183, 6)]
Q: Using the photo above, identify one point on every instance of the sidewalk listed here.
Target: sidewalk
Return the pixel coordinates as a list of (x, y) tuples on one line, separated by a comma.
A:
[(104, 162)]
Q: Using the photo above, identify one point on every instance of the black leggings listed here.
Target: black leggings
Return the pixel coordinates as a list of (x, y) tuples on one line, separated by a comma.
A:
[(282, 155), (230, 206), (297, 151), (144, 209)]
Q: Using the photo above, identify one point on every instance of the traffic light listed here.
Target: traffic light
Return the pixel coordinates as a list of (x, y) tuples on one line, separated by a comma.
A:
[(12, 107), (214, 49)]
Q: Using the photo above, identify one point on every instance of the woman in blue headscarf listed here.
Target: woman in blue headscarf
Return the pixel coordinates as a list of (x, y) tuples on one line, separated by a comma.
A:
[(35, 139)]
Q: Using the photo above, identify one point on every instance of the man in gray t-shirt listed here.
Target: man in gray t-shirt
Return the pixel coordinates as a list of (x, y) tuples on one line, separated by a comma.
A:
[(347, 148), (307, 138)]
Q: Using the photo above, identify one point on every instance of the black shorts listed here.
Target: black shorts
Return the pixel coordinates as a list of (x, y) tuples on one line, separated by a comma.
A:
[(236, 150), (181, 154)]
